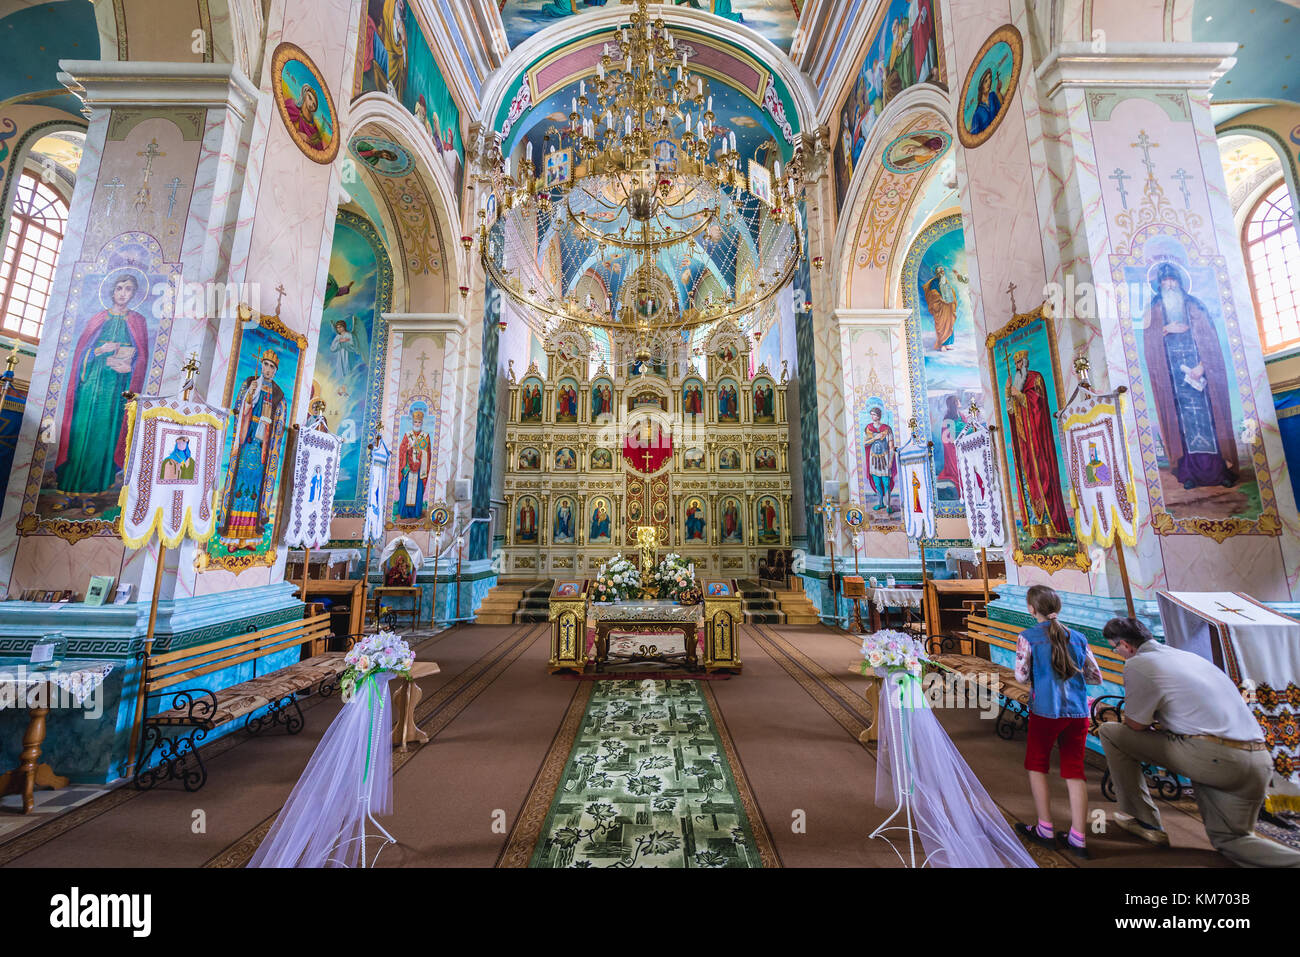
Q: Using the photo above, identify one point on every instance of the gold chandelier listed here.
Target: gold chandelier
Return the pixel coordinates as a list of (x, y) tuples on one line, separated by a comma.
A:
[(633, 181)]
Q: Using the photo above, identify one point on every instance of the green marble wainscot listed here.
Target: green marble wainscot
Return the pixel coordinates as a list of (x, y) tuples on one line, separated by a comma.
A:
[(90, 746), (906, 571)]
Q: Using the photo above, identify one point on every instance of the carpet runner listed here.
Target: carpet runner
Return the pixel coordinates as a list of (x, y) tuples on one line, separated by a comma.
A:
[(648, 783)]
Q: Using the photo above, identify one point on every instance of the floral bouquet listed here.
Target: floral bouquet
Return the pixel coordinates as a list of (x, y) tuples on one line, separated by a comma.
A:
[(674, 578), (619, 579), (892, 651), (384, 651)]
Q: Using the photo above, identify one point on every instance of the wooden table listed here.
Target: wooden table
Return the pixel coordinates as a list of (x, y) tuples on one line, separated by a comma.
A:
[(77, 680), (401, 591), (353, 590), (948, 594), (899, 596), (406, 696)]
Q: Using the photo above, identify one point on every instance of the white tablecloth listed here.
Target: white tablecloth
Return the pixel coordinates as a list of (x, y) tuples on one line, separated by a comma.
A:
[(75, 679), (1260, 651), (894, 597)]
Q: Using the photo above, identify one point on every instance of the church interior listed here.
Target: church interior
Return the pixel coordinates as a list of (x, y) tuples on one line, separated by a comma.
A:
[(700, 434)]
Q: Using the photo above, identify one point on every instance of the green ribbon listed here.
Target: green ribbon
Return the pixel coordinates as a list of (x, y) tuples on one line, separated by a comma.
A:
[(907, 682), (369, 682)]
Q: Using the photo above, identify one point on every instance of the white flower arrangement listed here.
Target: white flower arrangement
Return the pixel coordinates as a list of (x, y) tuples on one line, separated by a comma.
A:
[(888, 650), (383, 651), (618, 580), (673, 577)]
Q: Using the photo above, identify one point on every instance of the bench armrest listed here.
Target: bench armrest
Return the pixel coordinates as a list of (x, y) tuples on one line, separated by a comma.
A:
[(1105, 709), (199, 704)]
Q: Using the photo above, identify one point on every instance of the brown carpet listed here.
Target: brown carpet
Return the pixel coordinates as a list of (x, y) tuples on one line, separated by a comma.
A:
[(500, 732)]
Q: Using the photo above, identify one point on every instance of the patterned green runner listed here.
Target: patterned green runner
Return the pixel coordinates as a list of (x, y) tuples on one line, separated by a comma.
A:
[(647, 784)]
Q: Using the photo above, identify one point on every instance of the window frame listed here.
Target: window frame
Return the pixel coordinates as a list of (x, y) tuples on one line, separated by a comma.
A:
[(1281, 188), (21, 223)]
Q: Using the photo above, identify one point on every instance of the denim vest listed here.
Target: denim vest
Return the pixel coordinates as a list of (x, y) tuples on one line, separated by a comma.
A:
[(1051, 697)]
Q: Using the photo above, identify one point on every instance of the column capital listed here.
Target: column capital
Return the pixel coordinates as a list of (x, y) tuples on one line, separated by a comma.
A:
[(1177, 65), (104, 84), (871, 317)]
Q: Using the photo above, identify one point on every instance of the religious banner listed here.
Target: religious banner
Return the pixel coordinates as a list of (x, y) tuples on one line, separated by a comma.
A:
[(173, 448), (917, 490), (981, 489), (379, 454), (261, 389), (1027, 391), (315, 477), (1101, 474)]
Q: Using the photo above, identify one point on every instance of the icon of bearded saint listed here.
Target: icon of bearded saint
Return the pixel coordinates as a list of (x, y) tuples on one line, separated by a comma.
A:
[(1189, 383)]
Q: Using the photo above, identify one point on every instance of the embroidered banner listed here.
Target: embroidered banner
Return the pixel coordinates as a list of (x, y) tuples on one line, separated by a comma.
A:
[(173, 450), (1101, 474), (917, 490), (981, 488), (311, 501), (374, 530)]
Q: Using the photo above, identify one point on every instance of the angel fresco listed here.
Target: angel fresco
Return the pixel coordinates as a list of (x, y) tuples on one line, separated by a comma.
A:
[(348, 348)]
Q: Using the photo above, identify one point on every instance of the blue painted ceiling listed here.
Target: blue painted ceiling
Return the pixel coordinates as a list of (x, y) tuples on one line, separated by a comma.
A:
[(35, 38), (1268, 60)]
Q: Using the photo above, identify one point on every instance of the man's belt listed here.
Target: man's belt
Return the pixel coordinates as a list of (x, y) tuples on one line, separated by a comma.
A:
[(1228, 743)]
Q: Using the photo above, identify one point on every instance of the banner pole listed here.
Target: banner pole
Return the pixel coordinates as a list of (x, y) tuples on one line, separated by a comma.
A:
[(1123, 577), (144, 661)]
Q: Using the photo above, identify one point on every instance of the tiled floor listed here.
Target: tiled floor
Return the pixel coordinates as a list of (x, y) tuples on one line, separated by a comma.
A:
[(48, 804)]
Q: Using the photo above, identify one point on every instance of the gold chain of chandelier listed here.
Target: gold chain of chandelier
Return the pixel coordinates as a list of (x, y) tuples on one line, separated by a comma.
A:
[(614, 138)]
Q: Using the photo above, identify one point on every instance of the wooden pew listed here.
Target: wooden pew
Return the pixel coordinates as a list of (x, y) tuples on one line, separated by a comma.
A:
[(174, 676)]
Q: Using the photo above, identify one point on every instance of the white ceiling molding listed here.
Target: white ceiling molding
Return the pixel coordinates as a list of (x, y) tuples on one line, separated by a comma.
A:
[(114, 83), (1180, 65)]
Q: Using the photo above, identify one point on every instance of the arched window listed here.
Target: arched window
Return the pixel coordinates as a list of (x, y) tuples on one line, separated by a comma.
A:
[(1273, 261), (39, 217)]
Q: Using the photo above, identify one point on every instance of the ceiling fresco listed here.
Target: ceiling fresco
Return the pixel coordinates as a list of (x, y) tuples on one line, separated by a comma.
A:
[(774, 20)]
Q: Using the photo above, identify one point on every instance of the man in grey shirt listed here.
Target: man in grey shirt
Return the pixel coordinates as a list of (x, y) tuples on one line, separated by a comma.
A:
[(1186, 716)]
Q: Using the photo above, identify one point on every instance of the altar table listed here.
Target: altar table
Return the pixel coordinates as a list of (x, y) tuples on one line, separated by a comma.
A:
[(881, 597), (656, 618), (1259, 649), (21, 686)]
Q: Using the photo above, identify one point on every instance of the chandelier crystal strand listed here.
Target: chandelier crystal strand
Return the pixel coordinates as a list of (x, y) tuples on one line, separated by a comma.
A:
[(644, 182)]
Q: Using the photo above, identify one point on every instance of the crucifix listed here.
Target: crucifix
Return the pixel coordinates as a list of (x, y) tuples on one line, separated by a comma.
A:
[(1234, 611), (1011, 291), (1183, 177), (1144, 144), (1119, 176), (280, 294), (150, 153)]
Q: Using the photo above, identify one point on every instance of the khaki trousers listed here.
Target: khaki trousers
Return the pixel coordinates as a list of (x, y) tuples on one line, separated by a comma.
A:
[(1230, 785)]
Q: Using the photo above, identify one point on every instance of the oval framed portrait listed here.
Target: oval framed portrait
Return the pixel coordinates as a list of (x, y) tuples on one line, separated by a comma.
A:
[(304, 102), (853, 517), (990, 86), (381, 155), (915, 151), (440, 516)]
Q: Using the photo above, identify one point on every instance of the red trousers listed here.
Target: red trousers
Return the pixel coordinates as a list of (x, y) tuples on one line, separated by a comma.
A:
[(1044, 733)]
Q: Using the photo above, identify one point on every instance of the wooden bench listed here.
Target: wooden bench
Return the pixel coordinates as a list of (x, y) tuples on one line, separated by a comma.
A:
[(173, 675), (983, 633)]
